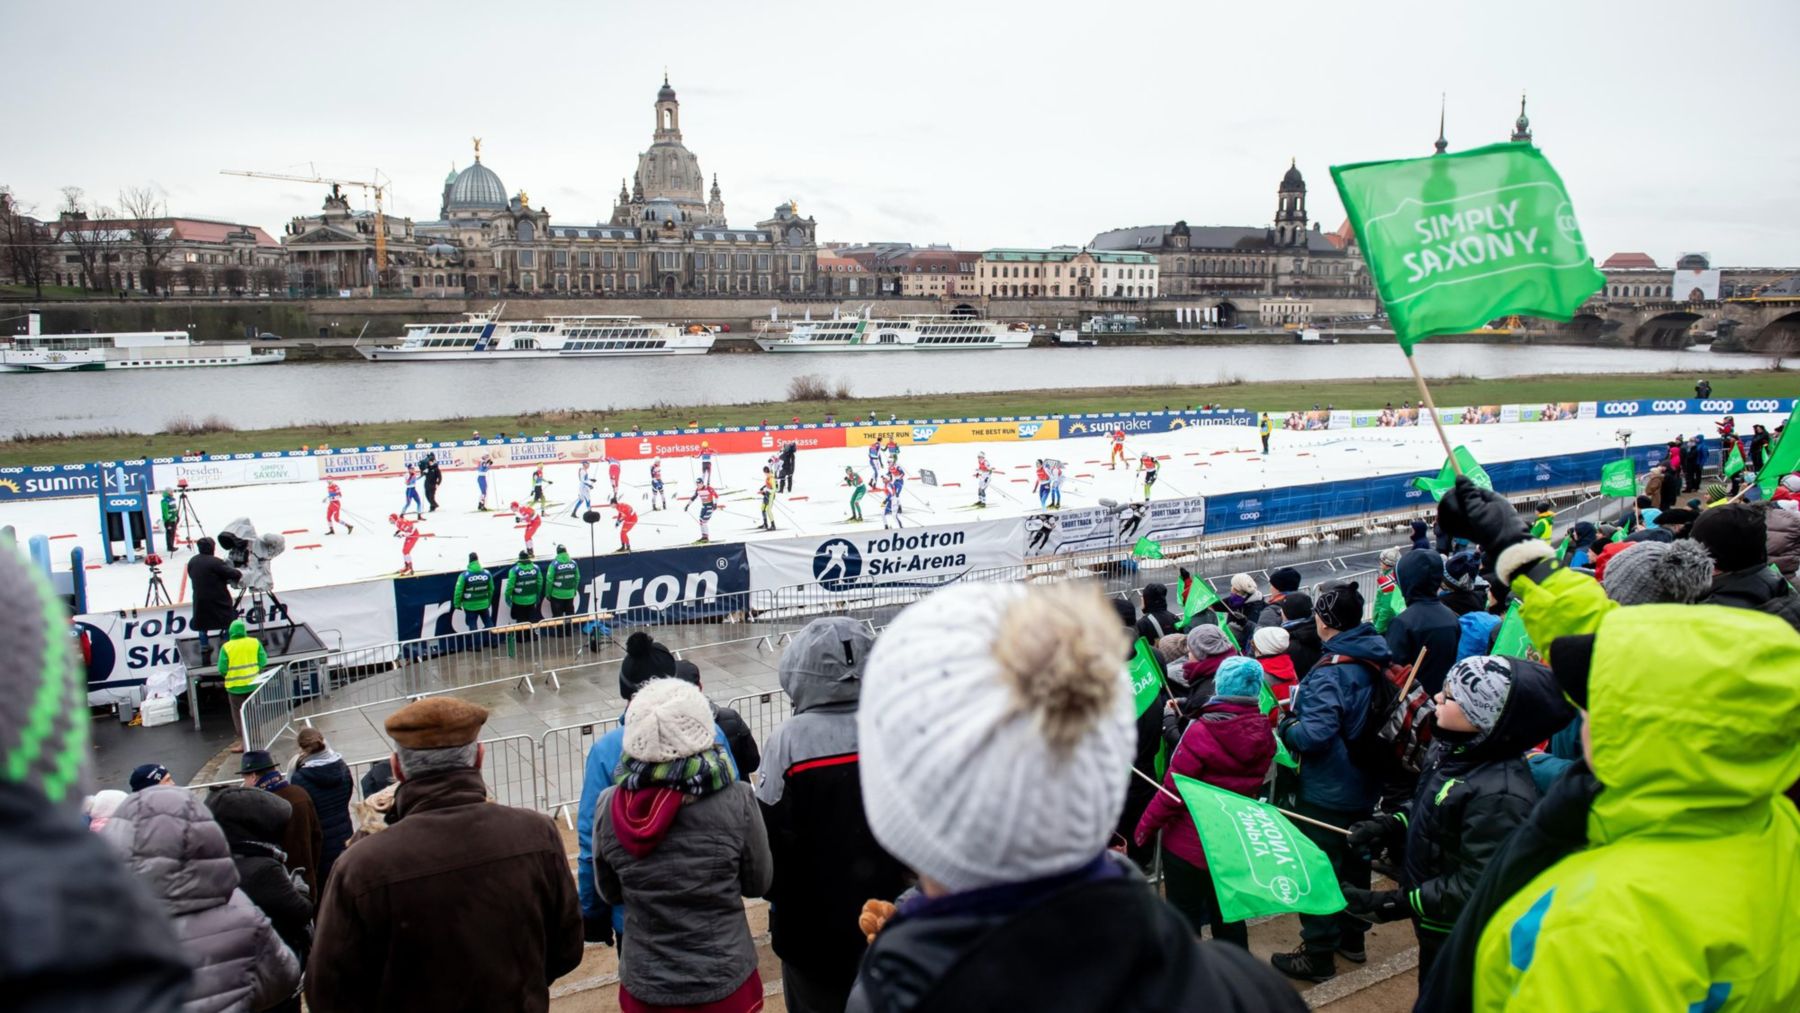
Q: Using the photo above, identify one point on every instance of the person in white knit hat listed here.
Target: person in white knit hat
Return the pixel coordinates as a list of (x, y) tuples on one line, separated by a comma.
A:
[(678, 843), (996, 736)]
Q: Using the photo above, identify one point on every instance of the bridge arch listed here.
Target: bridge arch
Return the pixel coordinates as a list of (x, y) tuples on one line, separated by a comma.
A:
[(1780, 336), (1668, 329)]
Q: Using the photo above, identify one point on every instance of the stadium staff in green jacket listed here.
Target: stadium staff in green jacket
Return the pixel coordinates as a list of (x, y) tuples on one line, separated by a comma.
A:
[(474, 594)]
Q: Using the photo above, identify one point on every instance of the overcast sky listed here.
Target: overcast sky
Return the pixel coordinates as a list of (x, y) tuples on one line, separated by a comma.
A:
[(978, 123)]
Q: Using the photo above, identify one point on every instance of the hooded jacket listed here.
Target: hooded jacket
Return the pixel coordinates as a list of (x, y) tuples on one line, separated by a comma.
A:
[(1331, 706), (326, 779), (170, 841), (253, 821), (1694, 720), (1427, 623), (1303, 644), (827, 862), (1157, 621), (1228, 746), (1472, 795)]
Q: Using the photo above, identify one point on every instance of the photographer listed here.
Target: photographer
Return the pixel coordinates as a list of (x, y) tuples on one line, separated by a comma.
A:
[(208, 577)]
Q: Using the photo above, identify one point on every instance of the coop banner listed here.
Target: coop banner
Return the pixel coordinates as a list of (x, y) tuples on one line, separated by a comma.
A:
[(853, 565), (638, 588), (221, 472), (125, 652), (1098, 528)]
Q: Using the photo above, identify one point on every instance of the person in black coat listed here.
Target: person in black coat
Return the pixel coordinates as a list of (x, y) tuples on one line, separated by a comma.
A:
[(254, 822), (1427, 622), (209, 580), (1149, 744), (1475, 790), (788, 450), (645, 659), (1460, 594), (1303, 634), (325, 777), (738, 740), (1157, 621), (433, 476), (379, 775)]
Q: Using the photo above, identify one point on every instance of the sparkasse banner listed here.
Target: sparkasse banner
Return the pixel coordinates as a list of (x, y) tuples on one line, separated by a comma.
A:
[(846, 566)]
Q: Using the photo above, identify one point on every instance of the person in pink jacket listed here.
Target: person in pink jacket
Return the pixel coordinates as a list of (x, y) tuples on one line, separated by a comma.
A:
[(1227, 745)]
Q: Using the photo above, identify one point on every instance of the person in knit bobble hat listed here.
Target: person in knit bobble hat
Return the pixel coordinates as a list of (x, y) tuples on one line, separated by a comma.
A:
[(678, 844), (78, 931), (996, 735), (1227, 745)]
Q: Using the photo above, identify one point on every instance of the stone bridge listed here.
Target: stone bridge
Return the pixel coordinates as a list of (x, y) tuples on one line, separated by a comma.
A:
[(1765, 325)]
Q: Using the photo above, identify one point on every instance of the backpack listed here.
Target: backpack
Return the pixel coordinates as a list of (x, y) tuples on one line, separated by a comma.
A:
[(1397, 727)]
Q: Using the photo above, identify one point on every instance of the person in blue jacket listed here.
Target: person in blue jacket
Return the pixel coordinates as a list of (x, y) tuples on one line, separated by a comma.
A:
[(645, 660), (1330, 709)]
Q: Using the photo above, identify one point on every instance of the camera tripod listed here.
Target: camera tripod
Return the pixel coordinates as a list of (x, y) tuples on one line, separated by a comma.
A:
[(188, 518), (158, 592)]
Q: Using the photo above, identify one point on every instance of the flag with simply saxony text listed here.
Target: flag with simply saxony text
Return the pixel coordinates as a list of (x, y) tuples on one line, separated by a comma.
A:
[(1260, 864), (1454, 241), (1619, 478)]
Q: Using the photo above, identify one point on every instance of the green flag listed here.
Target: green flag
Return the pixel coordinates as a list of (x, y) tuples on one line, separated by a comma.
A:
[(1735, 462), (1453, 241), (1200, 598), (1446, 476), (1260, 864), (1784, 457), (1265, 702), (1147, 549), (1146, 677), (1620, 535), (1619, 478), (1511, 639)]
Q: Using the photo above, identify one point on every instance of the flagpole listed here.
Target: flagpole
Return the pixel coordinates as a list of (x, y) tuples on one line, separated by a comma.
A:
[(1290, 815), (1437, 423)]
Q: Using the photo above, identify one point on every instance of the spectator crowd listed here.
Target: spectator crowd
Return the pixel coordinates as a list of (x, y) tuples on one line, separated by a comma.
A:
[(1567, 758)]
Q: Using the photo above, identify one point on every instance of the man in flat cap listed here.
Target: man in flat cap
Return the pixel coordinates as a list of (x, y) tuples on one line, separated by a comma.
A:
[(460, 904)]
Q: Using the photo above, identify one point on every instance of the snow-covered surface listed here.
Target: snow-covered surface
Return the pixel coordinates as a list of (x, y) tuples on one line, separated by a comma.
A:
[(1202, 461)]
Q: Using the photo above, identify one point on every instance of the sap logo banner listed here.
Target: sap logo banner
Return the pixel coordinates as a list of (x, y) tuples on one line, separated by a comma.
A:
[(923, 434), (639, 588), (1029, 430), (841, 567)]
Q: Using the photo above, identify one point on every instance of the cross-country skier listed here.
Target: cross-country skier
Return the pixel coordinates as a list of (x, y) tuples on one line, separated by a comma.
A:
[(1148, 466), (709, 502), (412, 493), (531, 520), (1056, 481), (702, 492), (893, 452), (983, 473), (890, 507), (855, 482), (334, 510), (481, 473), (408, 530), (1041, 485), (875, 459), (768, 500), (896, 485), (705, 462), (625, 521), (584, 491), (658, 499), (612, 473), (1118, 451), (538, 481)]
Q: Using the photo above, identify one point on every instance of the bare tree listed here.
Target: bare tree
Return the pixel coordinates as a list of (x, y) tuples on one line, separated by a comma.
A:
[(271, 279), (194, 277), (149, 231), (92, 234), (235, 279), (27, 243)]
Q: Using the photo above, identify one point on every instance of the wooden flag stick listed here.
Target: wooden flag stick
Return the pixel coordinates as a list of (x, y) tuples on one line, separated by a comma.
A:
[(1425, 396), (1290, 815)]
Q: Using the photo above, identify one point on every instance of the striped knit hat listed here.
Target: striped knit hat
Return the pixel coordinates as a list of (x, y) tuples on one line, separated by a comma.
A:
[(43, 699)]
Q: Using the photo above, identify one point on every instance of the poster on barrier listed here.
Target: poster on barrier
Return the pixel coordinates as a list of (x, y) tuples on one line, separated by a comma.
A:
[(220, 473), (55, 481), (124, 650), (1119, 527), (917, 433), (843, 566), (627, 448), (667, 584)]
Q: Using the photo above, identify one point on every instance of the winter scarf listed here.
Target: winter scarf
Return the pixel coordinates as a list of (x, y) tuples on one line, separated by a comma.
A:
[(322, 758), (271, 780), (649, 795)]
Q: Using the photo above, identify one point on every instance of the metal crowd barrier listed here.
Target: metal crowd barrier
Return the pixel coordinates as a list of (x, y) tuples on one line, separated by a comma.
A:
[(562, 764), (762, 712)]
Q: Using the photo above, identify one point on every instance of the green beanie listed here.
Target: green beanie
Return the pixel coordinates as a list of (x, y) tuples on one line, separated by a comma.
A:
[(43, 707)]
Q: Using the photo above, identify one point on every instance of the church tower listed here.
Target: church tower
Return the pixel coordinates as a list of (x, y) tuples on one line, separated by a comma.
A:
[(715, 205), (1522, 125), (1290, 209), (668, 114)]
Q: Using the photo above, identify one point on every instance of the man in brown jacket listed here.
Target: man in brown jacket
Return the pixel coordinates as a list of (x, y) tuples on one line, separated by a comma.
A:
[(458, 905), (305, 840)]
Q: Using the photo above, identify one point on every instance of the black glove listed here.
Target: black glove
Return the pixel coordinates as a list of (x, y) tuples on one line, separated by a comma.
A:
[(1366, 835), (1377, 905), (1483, 516), (597, 929)]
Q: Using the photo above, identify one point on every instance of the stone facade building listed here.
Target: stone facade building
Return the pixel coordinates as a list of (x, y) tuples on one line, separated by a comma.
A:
[(939, 273), (1067, 272), (168, 256), (1238, 268), (667, 235)]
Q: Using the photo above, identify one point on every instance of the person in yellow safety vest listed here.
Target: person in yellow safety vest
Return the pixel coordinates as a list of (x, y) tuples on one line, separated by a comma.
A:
[(241, 660), (1265, 427)]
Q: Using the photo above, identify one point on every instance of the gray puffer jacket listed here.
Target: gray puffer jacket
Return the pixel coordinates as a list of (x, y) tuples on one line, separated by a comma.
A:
[(169, 839)]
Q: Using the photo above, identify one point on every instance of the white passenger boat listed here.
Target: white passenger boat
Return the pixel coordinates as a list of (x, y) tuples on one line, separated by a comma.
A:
[(37, 352), (908, 334), (485, 337)]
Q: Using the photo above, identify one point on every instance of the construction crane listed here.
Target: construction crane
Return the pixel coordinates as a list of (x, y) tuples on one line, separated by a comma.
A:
[(379, 190)]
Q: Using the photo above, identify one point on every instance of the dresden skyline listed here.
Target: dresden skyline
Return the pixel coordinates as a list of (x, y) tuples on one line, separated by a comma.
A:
[(980, 129)]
